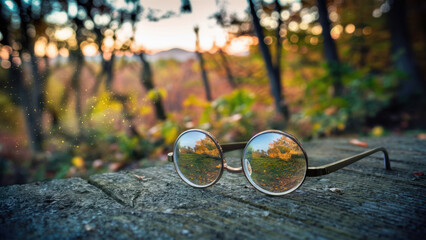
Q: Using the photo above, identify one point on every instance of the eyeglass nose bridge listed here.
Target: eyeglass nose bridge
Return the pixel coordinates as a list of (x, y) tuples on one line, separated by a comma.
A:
[(227, 147), (231, 169)]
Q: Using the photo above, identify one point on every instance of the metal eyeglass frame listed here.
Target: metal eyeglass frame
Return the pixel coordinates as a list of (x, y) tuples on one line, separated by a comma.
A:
[(310, 171)]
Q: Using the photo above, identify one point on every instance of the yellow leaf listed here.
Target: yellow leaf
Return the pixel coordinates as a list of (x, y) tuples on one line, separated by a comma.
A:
[(171, 135), (78, 162), (377, 131), (192, 100), (155, 94), (317, 126), (341, 126), (163, 92), (144, 110)]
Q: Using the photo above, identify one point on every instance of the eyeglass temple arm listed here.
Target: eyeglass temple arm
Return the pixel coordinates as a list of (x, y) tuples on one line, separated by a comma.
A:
[(332, 167), (226, 147)]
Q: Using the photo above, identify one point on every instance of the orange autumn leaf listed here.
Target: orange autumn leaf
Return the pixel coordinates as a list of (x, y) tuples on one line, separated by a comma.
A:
[(139, 177), (358, 143), (421, 136), (115, 166)]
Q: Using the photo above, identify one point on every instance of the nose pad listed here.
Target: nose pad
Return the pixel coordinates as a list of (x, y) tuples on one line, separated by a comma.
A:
[(231, 169), (248, 166)]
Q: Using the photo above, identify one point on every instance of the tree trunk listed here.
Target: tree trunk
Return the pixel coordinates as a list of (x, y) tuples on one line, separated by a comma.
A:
[(108, 68), (31, 99), (202, 67), (278, 44), (402, 52), (77, 58), (23, 96), (330, 48), (274, 79), (204, 76), (148, 83), (228, 71), (76, 86), (20, 93)]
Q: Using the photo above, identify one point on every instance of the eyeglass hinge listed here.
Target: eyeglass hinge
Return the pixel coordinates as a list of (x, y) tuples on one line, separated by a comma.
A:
[(170, 156)]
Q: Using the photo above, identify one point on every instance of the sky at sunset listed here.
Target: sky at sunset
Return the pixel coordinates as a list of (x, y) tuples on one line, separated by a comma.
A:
[(178, 31)]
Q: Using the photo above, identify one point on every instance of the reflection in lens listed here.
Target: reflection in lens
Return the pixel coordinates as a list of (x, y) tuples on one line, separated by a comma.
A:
[(198, 158), (275, 162)]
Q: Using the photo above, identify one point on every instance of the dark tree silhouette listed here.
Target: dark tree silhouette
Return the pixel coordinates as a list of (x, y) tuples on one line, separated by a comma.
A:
[(330, 50), (274, 79), (227, 68), (413, 86), (29, 96), (148, 83), (202, 65)]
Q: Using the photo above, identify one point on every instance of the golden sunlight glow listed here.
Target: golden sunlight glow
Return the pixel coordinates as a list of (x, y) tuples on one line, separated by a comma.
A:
[(72, 43), (350, 28), (220, 40), (64, 52), (313, 40), (109, 33), (316, 30), (51, 50), (89, 49), (293, 26), (241, 44), (64, 33), (107, 56), (334, 16), (4, 52), (109, 42), (40, 47), (336, 31)]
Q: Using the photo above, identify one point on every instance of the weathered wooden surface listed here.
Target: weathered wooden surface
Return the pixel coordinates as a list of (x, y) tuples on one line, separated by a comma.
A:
[(372, 202)]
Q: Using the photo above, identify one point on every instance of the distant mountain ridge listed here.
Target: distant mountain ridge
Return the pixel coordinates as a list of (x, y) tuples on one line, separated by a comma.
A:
[(174, 53)]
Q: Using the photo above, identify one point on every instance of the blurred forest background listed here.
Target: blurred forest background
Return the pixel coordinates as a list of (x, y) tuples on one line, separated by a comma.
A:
[(81, 93)]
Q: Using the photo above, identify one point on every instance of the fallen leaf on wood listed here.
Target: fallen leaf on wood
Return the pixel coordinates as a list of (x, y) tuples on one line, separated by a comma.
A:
[(358, 143), (115, 166), (418, 174), (336, 190), (88, 227), (97, 164), (139, 177), (421, 136)]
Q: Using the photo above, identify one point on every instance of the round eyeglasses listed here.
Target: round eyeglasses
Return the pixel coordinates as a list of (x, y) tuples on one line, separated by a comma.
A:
[(274, 162)]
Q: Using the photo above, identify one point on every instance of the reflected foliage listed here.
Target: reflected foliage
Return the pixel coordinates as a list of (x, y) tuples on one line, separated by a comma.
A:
[(279, 167), (198, 158)]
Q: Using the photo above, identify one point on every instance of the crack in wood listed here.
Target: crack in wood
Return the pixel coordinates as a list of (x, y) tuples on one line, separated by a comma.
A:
[(108, 193)]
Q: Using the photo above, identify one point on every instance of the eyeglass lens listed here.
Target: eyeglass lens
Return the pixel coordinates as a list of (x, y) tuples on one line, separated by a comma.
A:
[(274, 162), (197, 158)]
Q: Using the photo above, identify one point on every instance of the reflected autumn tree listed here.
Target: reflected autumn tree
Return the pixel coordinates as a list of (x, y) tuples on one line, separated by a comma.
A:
[(281, 148), (206, 146)]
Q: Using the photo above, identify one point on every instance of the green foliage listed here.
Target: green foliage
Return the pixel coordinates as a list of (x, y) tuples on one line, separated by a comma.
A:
[(230, 117), (364, 95), (10, 114)]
